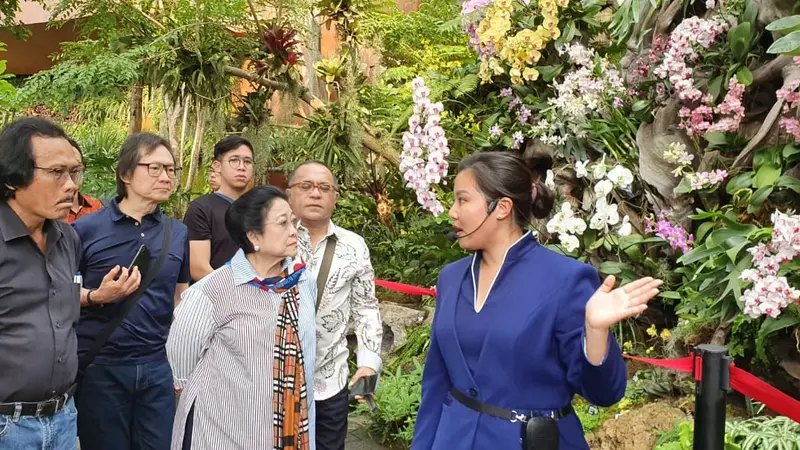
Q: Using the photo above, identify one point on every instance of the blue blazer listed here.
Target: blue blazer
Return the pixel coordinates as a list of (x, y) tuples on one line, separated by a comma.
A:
[(532, 356)]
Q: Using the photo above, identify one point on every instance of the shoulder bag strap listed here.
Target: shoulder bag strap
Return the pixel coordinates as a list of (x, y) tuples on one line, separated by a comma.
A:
[(127, 304), (324, 270)]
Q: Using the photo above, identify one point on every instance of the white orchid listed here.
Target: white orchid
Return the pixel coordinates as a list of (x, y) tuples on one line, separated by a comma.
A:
[(620, 176), (576, 225), (580, 169), (569, 242), (560, 221), (550, 180), (603, 188), (605, 215), (625, 228), (599, 169)]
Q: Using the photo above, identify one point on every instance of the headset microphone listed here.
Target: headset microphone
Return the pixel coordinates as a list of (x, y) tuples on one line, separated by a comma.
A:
[(453, 235)]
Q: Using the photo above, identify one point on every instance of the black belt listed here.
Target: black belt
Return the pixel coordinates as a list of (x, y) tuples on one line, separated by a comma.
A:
[(38, 409), (511, 416)]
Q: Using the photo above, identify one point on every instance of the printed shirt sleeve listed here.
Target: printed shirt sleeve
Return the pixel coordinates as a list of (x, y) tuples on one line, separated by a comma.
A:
[(366, 315), (189, 334)]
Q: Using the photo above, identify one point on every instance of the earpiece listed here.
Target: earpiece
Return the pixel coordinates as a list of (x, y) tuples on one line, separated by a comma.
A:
[(492, 206)]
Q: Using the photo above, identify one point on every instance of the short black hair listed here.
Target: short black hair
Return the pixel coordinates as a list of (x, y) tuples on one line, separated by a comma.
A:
[(134, 147), (231, 143), (16, 152), (248, 212), (500, 174), (293, 173), (75, 145)]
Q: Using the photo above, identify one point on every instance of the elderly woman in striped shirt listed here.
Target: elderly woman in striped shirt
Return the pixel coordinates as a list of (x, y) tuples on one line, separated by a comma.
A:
[(243, 341)]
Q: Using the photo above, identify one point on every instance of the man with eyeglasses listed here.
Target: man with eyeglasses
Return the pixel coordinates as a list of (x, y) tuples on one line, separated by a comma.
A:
[(82, 204), (125, 398), (210, 244), (39, 294), (340, 260)]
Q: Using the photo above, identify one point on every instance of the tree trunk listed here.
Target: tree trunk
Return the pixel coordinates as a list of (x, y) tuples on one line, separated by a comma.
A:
[(186, 104), (135, 119), (313, 55), (198, 143), (172, 113)]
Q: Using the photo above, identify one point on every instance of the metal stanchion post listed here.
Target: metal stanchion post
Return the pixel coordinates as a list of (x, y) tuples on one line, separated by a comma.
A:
[(710, 394)]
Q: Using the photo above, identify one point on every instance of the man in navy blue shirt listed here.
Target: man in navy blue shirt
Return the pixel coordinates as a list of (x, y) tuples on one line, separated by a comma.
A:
[(126, 399)]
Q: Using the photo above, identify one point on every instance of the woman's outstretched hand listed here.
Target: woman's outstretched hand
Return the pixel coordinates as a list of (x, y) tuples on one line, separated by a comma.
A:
[(609, 306)]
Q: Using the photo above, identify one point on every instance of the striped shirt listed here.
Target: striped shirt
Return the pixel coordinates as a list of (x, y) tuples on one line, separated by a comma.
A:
[(221, 352)]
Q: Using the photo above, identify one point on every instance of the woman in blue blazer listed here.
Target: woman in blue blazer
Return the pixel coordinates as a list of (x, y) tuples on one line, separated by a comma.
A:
[(518, 329)]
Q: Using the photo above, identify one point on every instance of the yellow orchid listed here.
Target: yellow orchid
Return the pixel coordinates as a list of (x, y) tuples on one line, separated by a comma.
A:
[(665, 334), (627, 346), (530, 74), (652, 331)]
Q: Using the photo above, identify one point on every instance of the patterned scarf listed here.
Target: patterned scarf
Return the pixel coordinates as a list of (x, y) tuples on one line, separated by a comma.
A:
[(289, 401)]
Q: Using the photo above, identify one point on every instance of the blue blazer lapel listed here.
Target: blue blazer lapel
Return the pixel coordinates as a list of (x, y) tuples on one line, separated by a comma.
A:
[(456, 282)]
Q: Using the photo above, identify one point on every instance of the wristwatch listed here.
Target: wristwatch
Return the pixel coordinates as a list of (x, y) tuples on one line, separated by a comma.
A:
[(89, 297)]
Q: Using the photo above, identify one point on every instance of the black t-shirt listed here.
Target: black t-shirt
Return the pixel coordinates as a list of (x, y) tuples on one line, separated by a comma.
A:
[(205, 219)]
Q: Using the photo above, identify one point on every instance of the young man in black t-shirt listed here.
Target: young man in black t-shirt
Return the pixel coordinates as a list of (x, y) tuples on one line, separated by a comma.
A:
[(210, 244)]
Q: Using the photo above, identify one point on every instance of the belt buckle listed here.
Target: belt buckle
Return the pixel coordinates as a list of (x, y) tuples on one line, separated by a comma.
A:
[(517, 417), (38, 410)]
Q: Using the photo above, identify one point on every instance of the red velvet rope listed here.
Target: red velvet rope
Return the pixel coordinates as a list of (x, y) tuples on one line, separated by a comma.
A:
[(741, 380)]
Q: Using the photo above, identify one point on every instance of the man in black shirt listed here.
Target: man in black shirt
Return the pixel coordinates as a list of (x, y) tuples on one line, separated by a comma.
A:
[(40, 172), (210, 244)]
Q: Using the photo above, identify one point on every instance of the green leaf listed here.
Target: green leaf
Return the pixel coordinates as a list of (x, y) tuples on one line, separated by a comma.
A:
[(726, 236), (750, 13), (597, 244), (697, 254), (671, 294), (790, 150), (734, 252), (715, 87), (789, 182), (739, 38), (760, 196), (771, 326), (613, 267), (744, 228), (760, 157), (703, 229), (549, 73), (744, 76), (786, 45), (741, 181), (785, 25), (640, 105), (767, 175), (716, 138), (684, 187)]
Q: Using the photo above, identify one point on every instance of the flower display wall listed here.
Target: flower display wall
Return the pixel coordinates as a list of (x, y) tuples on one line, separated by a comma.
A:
[(668, 157)]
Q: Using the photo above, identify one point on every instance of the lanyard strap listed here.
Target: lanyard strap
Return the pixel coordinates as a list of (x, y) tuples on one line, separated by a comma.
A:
[(325, 268)]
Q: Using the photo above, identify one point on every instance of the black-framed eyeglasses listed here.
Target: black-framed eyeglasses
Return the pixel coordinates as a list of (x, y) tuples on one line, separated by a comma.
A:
[(155, 170), (307, 186), (60, 173), (236, 162)]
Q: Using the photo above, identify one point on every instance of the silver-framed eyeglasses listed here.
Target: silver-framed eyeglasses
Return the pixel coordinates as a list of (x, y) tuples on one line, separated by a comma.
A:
[(284, 224), (155, 170), (236, 162), (60, 173)]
